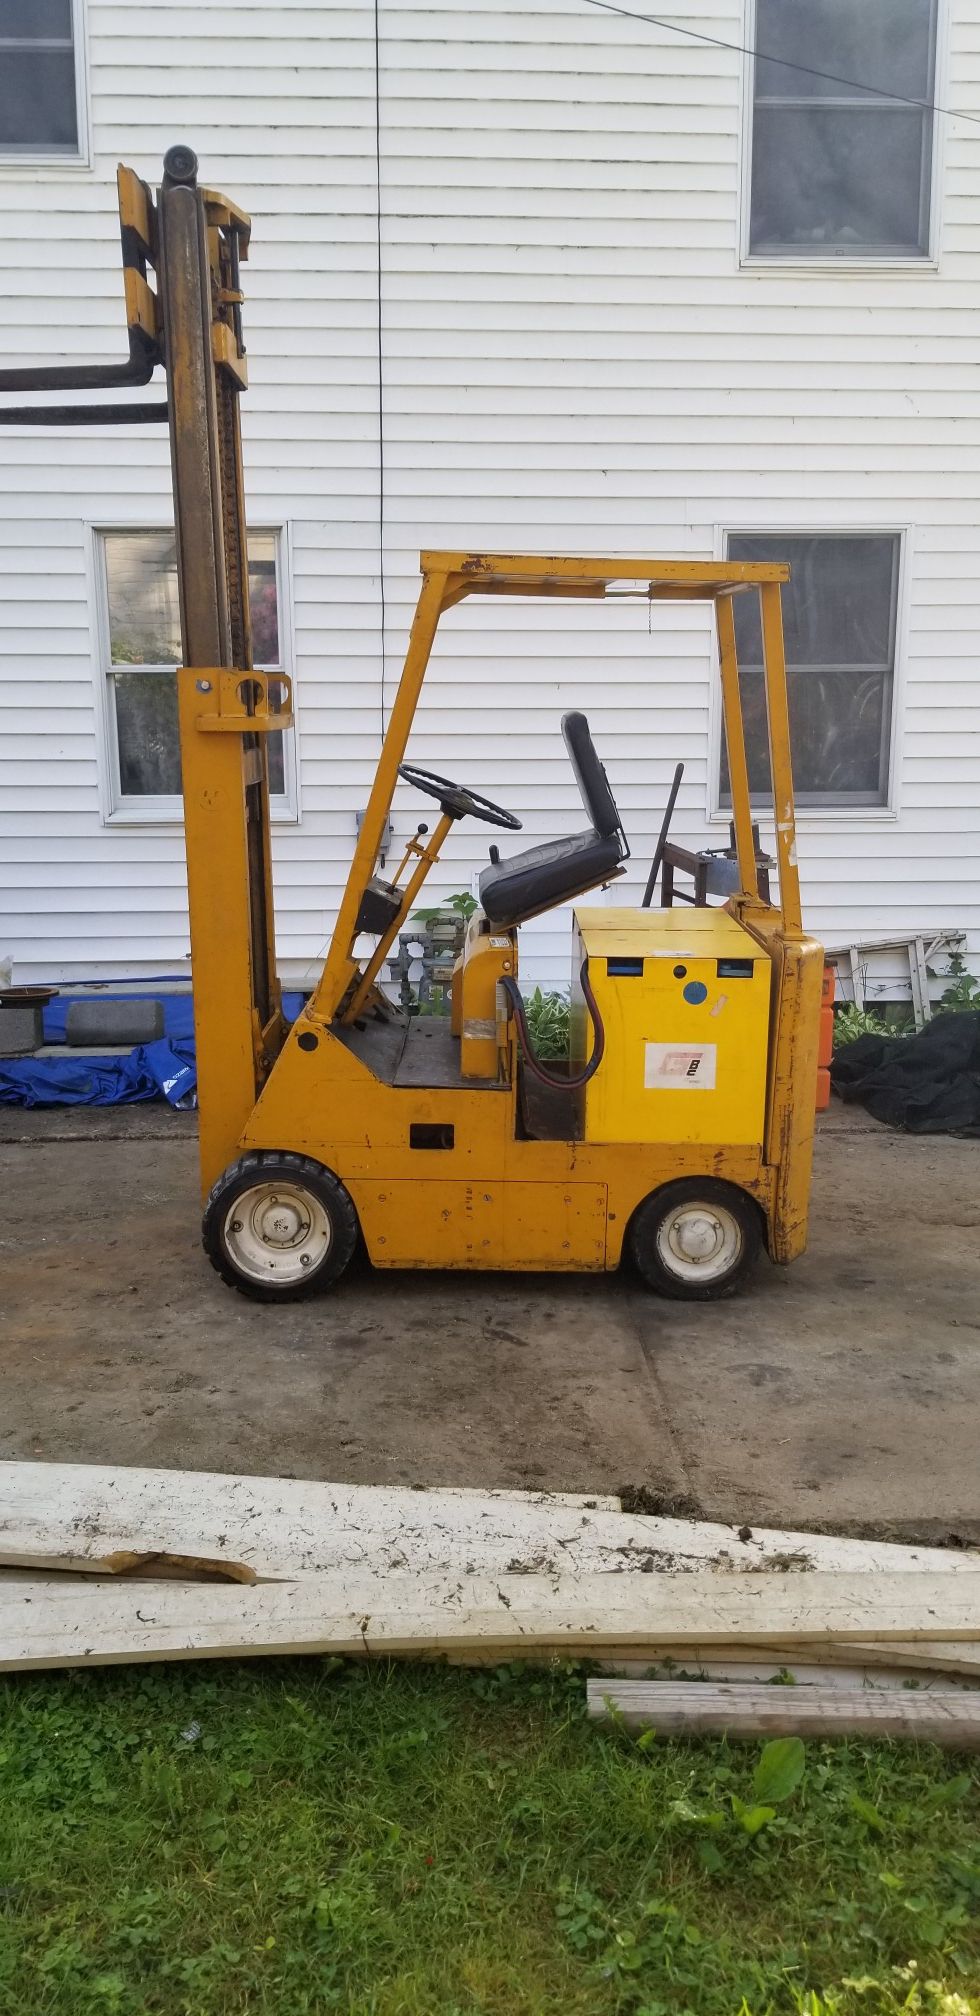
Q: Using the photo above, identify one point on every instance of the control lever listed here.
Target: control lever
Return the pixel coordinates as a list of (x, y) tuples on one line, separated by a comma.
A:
[(658, 852)]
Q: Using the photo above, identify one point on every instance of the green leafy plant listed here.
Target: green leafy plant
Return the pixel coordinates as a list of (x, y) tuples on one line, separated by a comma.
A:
[(462, 904), (780, 1769), (777, 1775), (548, 1018), (963, 993), (850, 1022)]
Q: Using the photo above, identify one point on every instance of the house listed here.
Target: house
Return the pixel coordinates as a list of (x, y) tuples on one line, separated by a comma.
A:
[(557, 277)]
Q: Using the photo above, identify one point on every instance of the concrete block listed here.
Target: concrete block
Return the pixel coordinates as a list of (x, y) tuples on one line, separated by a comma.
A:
[(89, 1023)]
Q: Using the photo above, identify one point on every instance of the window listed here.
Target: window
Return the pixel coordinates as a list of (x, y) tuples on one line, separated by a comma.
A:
[(39, 86), (839, 619), (143, 638), (837, 172)]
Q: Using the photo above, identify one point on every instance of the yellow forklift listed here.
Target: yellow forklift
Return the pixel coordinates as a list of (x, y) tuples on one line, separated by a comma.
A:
[(680, 1133)]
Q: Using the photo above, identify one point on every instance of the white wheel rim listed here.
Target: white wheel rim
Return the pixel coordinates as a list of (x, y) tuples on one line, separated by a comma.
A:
[(699, 1241), (277, 1233)]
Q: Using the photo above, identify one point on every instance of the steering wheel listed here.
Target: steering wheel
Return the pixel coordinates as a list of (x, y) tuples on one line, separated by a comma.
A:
[(456, 802)]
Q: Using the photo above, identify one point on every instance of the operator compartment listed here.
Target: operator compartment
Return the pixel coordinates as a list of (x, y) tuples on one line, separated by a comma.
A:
[(684, 998)]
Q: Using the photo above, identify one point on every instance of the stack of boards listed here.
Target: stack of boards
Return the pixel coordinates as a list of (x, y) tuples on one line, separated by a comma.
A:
[(100, 1566)]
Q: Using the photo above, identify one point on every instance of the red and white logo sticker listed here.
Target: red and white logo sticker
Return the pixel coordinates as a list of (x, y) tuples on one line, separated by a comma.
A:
[(679, 1067)]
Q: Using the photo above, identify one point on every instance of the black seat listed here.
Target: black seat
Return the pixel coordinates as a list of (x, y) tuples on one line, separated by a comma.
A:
[(541, 877)]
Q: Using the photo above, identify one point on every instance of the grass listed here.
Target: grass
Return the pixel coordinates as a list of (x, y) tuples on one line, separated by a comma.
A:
[(414, 1841)]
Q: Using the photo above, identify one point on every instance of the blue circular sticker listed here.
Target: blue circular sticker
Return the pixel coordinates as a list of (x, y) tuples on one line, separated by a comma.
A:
[(695, 992)]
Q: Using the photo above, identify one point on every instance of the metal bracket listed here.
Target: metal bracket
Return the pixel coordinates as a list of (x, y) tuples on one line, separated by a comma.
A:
[(242, 703), (138, 224)]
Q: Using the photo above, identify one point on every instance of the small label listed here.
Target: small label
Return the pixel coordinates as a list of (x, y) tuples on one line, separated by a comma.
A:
[(677, 1067), (500, 944)]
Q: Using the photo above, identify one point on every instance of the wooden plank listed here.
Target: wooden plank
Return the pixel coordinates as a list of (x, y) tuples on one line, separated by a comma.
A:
[(746, 1709), (920, 1655), (749, 1663), (104, 1622), (85, 1516), (927, 1658)]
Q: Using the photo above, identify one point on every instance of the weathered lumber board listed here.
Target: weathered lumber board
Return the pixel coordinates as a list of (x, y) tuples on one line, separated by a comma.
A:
[(42, 1625), (928, 1658), (925, 1657), (745, 1709), (103, 1520), (751, 1665)]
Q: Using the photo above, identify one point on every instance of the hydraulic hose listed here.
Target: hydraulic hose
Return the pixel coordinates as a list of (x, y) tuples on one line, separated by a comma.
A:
[(534, 1064)]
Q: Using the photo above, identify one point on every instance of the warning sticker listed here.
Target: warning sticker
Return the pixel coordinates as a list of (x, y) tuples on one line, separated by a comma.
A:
[(678, 1067)]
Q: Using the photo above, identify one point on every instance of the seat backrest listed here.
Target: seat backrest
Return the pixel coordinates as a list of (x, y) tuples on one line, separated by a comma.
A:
[(590, 775)]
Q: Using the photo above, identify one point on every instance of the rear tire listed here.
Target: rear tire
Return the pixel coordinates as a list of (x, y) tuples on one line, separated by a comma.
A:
[(278, 1226), (695, 1240)]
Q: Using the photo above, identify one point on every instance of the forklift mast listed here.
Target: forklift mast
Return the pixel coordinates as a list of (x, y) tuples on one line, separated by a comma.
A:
[(195, 242)]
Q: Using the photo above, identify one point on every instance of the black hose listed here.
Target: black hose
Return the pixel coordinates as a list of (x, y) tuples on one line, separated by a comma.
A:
[(534, 1064)]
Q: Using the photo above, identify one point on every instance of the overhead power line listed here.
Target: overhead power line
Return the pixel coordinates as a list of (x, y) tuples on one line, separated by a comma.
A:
[(805, 69)]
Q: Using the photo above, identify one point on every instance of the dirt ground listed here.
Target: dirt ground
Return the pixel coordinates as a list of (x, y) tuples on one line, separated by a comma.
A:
[(843, 1392)]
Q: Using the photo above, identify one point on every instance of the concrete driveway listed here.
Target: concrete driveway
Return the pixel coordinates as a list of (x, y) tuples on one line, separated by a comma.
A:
[(844, 1392)]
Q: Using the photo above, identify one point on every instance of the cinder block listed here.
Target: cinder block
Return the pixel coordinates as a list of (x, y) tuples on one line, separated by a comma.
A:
[(93, 1022), (21, 1029)]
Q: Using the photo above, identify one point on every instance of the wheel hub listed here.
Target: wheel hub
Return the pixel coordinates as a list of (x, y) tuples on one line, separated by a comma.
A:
[(698, 1236), (699, 1241), (277, 1230), (280, 1221)]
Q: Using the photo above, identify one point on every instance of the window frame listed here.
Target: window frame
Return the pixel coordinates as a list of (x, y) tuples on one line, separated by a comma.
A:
[(29, 162), (842, 811), (162, 810), (862, 261)]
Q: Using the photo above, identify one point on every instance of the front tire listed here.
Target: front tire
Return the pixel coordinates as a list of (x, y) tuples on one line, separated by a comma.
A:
[(278, 1226), (696, 1239)]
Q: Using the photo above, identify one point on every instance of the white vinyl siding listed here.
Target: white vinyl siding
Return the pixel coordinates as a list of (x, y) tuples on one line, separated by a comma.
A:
[(574, 361)]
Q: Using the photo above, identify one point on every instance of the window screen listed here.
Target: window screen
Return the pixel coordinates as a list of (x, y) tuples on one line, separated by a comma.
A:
[(38, 106), (839, 620), (144, 648), (837, 171)]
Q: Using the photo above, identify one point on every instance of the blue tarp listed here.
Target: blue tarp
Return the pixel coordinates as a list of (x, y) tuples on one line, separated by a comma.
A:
[(162, 1070), (155, 1070)]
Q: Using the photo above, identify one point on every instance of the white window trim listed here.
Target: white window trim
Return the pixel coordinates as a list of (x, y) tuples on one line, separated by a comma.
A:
[(65, 164), (842, 817), (846, 265), (167, 812)]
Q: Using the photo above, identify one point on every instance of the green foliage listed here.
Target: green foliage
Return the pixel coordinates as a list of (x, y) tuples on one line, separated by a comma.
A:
[(437, 1002), (850, 1022), (780, 1769), (361, 1840), (548, 1022), (462, 905), (963, 993), (778, 1773)]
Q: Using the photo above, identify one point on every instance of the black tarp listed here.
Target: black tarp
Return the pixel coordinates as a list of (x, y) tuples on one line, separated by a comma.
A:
[(928, 1083)]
